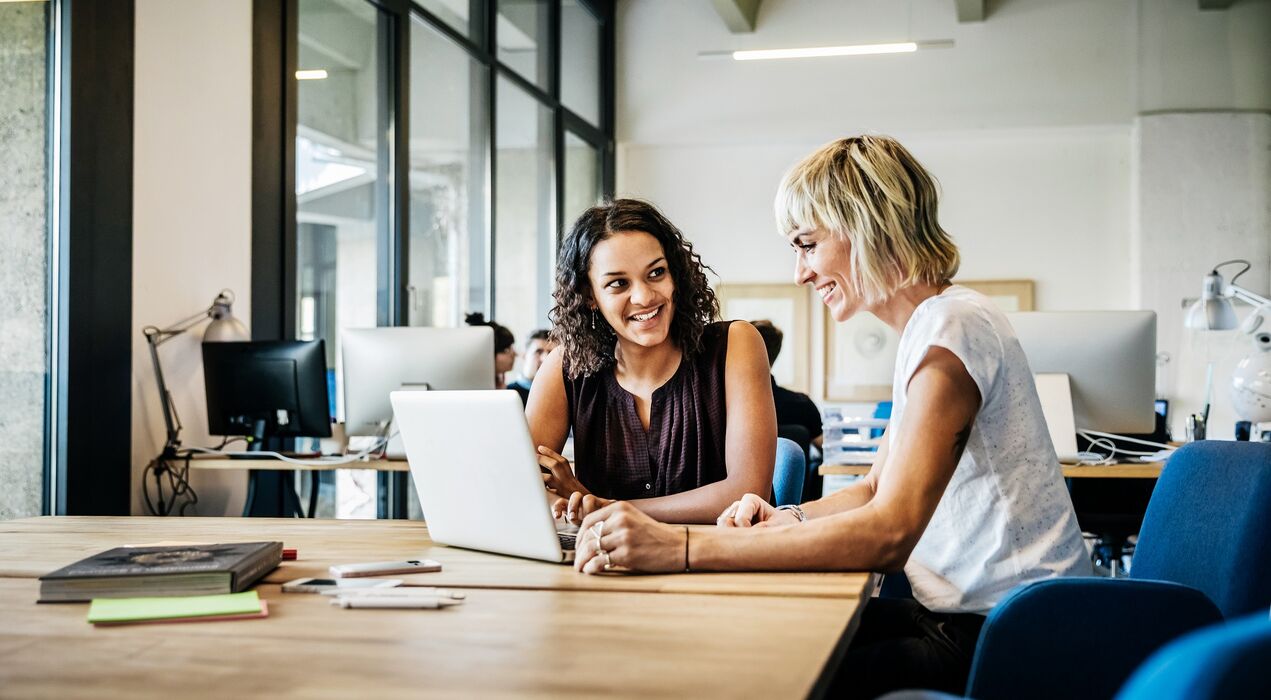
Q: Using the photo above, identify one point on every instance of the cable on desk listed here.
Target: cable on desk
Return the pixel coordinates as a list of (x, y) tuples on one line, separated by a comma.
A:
[(311, 461), (1104, 441)]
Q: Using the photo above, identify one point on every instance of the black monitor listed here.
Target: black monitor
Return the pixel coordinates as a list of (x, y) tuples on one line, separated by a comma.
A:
[(267, 389)]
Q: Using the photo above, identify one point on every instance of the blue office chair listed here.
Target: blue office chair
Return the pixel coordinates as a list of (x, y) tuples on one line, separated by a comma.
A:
[(1079, 637), (1208, 524), (1206, 542), (1221, 661), (787, 475), (1226, 661)]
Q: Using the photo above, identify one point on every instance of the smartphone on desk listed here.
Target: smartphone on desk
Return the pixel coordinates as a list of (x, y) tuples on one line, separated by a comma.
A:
[(385, 568), (322, 585)]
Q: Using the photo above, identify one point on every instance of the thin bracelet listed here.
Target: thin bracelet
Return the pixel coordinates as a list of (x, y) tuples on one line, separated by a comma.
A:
[(687, 568)]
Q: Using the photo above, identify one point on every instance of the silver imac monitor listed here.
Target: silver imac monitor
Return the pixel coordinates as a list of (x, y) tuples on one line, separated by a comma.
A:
[(1110, 360), (379, 361)]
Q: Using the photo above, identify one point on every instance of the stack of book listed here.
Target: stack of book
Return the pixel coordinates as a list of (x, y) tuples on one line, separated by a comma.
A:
[(155, 572)]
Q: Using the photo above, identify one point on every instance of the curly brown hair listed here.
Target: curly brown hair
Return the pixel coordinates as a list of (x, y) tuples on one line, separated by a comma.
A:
[(588, 340)]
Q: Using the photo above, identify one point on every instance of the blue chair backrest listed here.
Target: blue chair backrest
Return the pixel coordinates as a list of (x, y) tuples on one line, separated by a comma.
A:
[(882, 410), (787, 475), (1232, 660), (1031, 637), (1208, 524)]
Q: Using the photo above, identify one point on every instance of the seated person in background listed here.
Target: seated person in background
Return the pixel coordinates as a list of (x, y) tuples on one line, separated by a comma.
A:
[(669, 410), (504, 347), (793, 408), (536, 348), (966, 494)]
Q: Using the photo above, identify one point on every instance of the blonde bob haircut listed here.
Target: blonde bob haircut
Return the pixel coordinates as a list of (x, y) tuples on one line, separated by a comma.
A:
[(872, 192)]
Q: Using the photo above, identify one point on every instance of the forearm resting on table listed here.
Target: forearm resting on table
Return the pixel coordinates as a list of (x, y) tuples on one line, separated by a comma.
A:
[(701, 505), (862, 539), (852, 496)]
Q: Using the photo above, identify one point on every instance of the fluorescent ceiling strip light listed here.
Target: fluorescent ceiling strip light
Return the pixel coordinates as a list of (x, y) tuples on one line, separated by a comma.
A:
[(314, 74), (823, 51)]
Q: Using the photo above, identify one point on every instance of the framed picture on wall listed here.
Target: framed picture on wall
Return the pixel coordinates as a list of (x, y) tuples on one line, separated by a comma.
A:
[(1009, 295), (860, 358), (787, 306)]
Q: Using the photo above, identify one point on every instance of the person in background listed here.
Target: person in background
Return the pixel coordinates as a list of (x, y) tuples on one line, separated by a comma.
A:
[(793, 408), (504, 347), (536, 348), (671, 410), (965, 496)]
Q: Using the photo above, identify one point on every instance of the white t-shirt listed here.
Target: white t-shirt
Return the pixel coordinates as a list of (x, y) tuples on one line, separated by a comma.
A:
[(1005, 517)]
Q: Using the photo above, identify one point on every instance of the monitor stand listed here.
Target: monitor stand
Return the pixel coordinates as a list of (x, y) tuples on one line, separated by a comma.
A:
[(271, 493)]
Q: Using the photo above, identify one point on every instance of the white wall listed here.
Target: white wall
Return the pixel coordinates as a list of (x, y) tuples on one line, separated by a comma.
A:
[(1028, 123), (191, 210)]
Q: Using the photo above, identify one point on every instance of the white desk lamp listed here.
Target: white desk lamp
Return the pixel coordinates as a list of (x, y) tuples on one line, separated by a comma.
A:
[(1251, 380), (1213, 311), (223, 327)]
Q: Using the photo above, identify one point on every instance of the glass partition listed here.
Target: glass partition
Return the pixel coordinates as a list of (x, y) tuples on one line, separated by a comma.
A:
[(580, 60), (525, 242), (449, 153)]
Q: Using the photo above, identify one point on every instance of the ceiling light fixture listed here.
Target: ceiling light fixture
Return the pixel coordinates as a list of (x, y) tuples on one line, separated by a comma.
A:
[(314, 74), (824, 51)]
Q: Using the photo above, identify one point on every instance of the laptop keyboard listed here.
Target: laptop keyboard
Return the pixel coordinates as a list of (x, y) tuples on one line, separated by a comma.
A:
[(567, 540)]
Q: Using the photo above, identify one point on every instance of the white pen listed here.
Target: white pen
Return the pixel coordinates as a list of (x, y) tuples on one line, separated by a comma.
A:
[(406, 592), (416, 603)]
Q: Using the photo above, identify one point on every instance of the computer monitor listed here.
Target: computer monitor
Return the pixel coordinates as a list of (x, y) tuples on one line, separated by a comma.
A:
[(379, 361), (1110, 360), (267, 389)]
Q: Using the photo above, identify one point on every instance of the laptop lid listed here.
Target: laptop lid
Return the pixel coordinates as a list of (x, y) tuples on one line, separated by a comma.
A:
[(476, 472)]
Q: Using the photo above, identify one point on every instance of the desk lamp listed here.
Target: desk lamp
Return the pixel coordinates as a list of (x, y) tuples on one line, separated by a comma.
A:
[(1251, 382), (224, 327), (1214, 310)]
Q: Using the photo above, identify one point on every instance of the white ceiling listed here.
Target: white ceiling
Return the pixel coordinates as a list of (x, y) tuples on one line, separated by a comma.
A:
[(1033, 63)]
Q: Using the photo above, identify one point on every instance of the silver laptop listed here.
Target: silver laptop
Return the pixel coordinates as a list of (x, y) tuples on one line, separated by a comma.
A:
[(477, 473)]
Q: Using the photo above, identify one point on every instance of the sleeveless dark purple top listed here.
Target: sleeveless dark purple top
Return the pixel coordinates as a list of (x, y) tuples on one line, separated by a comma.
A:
[(614, 457)]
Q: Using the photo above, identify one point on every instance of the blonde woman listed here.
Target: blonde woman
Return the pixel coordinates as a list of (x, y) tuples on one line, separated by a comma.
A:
[(965, 496)]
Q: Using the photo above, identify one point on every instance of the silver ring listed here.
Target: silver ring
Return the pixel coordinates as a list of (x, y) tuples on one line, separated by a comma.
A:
[(608, 561)]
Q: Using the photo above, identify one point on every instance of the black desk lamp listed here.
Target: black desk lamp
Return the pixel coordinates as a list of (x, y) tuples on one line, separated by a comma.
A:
[(223, 327)]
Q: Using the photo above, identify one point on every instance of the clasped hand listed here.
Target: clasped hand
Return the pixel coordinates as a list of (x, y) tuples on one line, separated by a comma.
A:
[(753, 511), (574, 502)]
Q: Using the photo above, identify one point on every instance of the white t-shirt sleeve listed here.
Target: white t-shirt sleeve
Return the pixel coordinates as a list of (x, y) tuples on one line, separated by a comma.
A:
[(964, 329)]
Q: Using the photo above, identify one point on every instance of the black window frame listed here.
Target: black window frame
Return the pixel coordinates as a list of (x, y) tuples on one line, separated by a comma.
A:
[(274, 99), (88, 431)]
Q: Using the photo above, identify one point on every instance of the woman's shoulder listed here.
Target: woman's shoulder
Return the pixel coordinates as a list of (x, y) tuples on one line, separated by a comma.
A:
[(961, 308)]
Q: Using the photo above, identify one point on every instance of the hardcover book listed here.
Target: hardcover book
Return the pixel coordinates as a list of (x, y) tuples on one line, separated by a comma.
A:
[(184, 570)]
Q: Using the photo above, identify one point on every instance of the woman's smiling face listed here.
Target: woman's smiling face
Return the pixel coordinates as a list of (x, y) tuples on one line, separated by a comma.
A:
[(631, 286), (825, 262)]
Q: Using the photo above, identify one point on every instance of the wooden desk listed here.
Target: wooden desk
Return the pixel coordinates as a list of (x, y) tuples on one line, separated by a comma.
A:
[(395, 470), (1147, 470), (226, 464), (537, 643), (36, 546), (506, 643)]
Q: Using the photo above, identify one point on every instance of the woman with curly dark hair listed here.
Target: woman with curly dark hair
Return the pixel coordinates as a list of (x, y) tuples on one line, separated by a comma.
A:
[(670, 409)]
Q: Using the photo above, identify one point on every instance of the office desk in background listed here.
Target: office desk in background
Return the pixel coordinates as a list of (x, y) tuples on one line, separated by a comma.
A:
[(527, 628), (1146, 470), (392, 483)]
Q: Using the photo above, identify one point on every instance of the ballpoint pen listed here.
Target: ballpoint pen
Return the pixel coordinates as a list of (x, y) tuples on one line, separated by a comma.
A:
[(415, 603), (402, 592)]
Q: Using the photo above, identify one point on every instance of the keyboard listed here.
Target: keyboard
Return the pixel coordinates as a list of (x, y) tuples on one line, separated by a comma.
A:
[(567, 540)]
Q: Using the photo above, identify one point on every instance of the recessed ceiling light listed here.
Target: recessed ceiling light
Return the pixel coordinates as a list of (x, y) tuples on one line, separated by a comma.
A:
[(312, 74), (823, 51)]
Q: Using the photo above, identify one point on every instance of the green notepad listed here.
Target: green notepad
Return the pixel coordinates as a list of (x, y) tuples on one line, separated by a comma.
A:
[(107, 610)]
